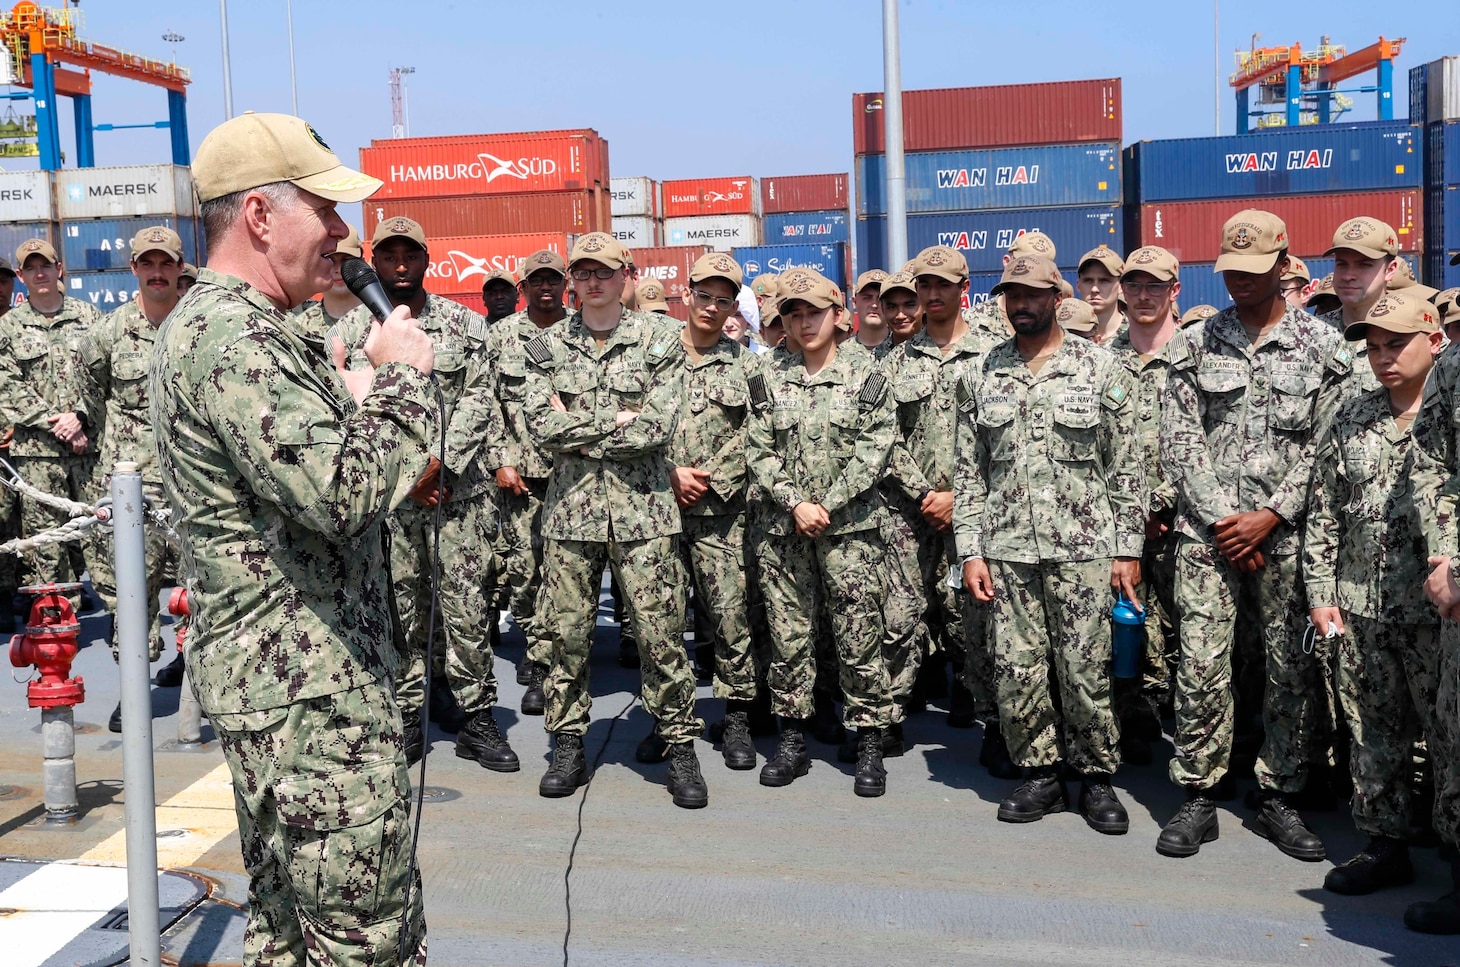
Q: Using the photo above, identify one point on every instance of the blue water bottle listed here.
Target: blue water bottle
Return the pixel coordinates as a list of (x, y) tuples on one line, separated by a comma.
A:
[(1128, 638)]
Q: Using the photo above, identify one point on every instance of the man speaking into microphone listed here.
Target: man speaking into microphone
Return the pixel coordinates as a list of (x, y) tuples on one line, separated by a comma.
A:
[(281, 470)]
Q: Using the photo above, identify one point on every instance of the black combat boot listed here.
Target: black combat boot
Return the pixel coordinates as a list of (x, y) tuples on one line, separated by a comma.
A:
[(1195, 823), (686, 783), (445, 710), (1279, 821), (652, 749), (892, 745), (114, 724), (791, 761), (1440, 916), (738, 750), (1038, 796), (961, 714), (480, 739), (1382, 862), (413, 740), (1102, 810), (628, 646), (993, 755), (567, 771), (171, 674), (533, 700), (524, 671), (871, 780)]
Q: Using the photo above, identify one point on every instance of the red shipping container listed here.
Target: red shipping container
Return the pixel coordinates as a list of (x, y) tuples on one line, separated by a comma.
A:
[(570, 212), (711, 196), (1192, 230), (458, 265), (669, 264), (803, 193), (482, 164), (985, 117)]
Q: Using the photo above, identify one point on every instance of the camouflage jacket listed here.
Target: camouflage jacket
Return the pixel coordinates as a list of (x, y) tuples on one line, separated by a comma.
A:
[(1240, 424), (40, 375), (279, 490), (925, 389), (608, 482), (313, 323), (1047, 466), (878, 352), (1363, 548), (116, 355), (711, 432), (1151, 378), (507, 341), (1363, 379), (823, 438), (1436, 474), (988, 323), (465, 376)]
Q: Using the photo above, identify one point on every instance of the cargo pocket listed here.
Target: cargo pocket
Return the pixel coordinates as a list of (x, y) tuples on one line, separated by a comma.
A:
[(450, 370), (846, 426), (1359, 468), (996, 426), (512, 379), (1291, 404), (1223, 391), (1075, 430), (910, 393)]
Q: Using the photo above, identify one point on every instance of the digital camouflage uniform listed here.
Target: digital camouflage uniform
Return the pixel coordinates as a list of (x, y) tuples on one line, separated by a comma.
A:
[(507, 341), (1362, 380), (825, 438), (40, 376), (609, 503), (1364, 552), (280, 486), (468, 518), (1239, 430), (1048, 491), (115, 357), (711, 436)]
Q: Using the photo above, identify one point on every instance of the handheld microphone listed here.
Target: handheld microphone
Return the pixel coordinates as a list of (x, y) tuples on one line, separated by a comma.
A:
[(361, 280)]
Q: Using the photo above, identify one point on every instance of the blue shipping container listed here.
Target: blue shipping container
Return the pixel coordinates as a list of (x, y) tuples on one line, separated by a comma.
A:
[(1373, 156), (105, 290), (1201, 285), (829, 260), (795, 228), (979, 283), (104, 244), (984, 237), (13, 233), (1443, 156), (954, 181)]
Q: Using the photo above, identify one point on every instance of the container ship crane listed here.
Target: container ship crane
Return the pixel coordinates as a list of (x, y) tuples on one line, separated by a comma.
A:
[(1305, 82)]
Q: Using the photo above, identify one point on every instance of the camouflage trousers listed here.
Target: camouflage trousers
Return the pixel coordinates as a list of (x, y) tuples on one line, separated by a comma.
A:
[(652, 579), (905, 606), (323, 803), (463, 610), (1207, 591), (843, 574), (1444, 735), (1386, 685), (714, 555), (522, 563), (1157, 592), (162, 561), (1059, 612), (11, 572), (68, 477)]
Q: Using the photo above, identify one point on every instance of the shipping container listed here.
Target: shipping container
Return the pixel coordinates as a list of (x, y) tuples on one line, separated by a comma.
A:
[(979, 284), (670, 266), (1000, 116), (635, 196), (1442, 215), (104, 290), (1192, 230), (458, 265), (720, 232), (104, 244), (487, 164), (1444, 153), (637, 232), (688, 197), (1319, 158), (1046, 176), (830, 260), (25, 196), (1434, 91), (13, 233), (984, 237), (124, 192), (1438, 270), (792, 227), (473, 301), (803, 193), (1202, 285), (570, 212)]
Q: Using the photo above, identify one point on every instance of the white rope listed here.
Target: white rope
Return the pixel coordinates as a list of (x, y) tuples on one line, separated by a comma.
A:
[(73, 530), (71, 508)]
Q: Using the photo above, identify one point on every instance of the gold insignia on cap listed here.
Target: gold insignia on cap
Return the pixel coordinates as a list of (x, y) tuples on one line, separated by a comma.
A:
[(1065, 310), (1242, 237), (1039, 245), (801, 282), (935, 258), (400, 225), (1144, 257), (1020, 267), (31, 245), (157, 235), (593, 242), (722, 263), (1357, 230), (1382, 308)]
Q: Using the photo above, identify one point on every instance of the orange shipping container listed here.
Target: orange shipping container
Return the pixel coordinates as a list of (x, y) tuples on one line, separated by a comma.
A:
[(669, 264), (500, 164), (458, 265), (711, 196), (571, 212)]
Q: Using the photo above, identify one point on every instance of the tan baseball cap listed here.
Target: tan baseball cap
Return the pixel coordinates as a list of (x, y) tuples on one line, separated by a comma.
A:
[(5, 268), (650, 294), (1033, 243), (1448, 302), (1034, 271), (600, 247), (901, 279), (1403, 276), (1397, 312), (716, 265), (350, 244), (870, 277), (1323, 288), (1252, 239), (542, 259), (1075, 315), (252, 150), (1199, 313), (1107, 257), (942, 262), (1155, 261), (498, 275), (811, 287), (189, 271), (1297, 269), (157, 239), (1367, 236), (35, 246), (400, 227), (765, 284), (770, 313)]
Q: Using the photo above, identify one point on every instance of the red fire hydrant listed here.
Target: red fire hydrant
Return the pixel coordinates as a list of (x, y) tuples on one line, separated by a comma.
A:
[(50, 643), (177, 606)]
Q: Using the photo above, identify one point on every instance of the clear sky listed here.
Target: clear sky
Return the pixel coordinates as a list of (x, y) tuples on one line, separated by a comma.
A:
[(683, 88)]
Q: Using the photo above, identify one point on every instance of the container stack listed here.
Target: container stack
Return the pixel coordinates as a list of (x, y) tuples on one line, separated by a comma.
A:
[(805, 223), (27, 210), (986, 164), (1314, 178), (638, 212), (723, 213), (1434, 101)]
